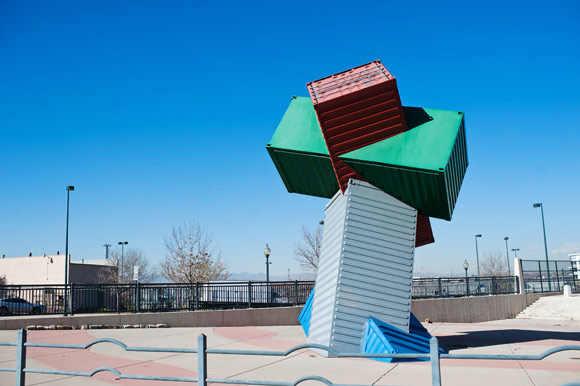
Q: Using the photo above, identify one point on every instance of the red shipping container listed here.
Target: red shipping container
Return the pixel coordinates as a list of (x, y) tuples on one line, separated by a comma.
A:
[(424, 234), (356, 108)]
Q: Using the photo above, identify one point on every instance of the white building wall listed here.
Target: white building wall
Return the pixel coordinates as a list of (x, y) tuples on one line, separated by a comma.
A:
[(33, 269), (48, 270)]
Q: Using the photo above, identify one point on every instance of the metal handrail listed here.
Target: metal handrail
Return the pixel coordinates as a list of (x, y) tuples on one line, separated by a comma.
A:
[(433, 356)]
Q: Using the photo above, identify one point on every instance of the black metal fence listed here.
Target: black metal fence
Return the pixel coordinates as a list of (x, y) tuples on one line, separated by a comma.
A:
[(138, 297), (542, 277), (446, 287), (158, 297)]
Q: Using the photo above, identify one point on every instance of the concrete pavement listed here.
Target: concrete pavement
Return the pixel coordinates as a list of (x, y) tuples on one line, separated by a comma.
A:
[(498, 337)]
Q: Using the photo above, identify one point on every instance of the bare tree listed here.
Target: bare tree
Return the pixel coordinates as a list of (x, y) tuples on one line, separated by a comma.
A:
[(192, 256), (3, 280), (493, 264), (308, 253), (121, 267)]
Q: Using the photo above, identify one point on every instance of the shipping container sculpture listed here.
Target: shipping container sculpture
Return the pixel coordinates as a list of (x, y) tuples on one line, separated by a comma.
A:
[(386, 168)]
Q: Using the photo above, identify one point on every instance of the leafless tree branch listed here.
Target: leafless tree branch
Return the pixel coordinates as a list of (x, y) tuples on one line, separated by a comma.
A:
[(192, 256), (493, 264), (308, 253), (121, 267)]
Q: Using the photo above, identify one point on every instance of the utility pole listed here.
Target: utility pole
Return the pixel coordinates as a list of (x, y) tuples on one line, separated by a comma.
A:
[(107, 246)]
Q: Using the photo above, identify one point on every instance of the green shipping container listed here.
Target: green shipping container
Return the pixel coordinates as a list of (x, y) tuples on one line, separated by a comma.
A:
[(423, 167), (300, 154)]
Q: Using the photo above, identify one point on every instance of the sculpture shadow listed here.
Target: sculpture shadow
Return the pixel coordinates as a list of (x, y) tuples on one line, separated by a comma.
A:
[(416, 116), (499, 337)]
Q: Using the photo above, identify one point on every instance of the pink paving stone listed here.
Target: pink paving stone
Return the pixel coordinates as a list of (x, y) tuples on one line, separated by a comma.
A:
[(85, 360), (256, 337)]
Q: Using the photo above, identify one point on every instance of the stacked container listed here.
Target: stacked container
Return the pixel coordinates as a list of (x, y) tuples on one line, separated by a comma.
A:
[(356, 108)]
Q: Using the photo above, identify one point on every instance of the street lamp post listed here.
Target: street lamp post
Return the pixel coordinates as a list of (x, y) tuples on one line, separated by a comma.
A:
[(267, 252), (477, 253), (541, 206), (122, 244), (466, 267), (515, 250), (507, 254), (68, 190)]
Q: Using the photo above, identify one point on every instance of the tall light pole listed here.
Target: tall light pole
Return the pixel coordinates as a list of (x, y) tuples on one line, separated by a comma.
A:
[(122, 244), (507, 253), (477, 253), (68, 190), (267, 252), (515, 250), (541, 206)]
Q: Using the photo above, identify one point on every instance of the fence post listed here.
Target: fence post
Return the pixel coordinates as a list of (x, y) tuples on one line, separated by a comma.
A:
[(201, 360), (21, 358), (117, 290), (196, 295), (250, 294), (435, 366), (440, 292), (138, 297), (541, 281), (72, 298), (493, 285), (295, 292), (557, 277), (467, 284)]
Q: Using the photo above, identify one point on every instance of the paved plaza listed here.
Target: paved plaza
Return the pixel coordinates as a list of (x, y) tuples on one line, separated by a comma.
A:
[(514, 336)]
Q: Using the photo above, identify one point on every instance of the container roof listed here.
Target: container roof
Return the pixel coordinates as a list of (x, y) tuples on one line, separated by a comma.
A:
[(299, 129), (426, 145)]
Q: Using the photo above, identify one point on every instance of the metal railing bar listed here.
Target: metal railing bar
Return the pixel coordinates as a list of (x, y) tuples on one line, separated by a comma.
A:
[(8, 344), (274, 353), (8, 369), (116, 342), (513, 357), (111, 370), (274, 383)]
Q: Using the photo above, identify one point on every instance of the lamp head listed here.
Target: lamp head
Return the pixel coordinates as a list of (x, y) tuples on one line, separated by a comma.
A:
[(465, 265), (477, 235), (267, 251), (70, 188), (537, 205), (506, 238)]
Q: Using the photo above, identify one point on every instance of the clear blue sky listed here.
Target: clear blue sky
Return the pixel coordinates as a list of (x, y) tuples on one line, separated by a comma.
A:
[(159, 113)]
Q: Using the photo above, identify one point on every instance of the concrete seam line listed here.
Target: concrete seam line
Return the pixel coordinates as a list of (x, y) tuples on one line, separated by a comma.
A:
[(266, 365), (382, 376)]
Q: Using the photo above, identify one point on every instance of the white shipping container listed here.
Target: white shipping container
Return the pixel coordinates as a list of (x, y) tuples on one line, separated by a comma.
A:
[(366, 266)]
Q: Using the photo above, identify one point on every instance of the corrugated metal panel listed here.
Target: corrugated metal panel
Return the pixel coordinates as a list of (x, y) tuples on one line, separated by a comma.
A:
[(456, 167), (382, 338), (367, 254), (356, 108), (306, 313), (324, 301), (305, 173), (424, 231), (423, 167)]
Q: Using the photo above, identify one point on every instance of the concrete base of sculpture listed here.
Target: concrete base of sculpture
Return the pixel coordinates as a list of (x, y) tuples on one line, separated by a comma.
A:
[(365, 268)]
